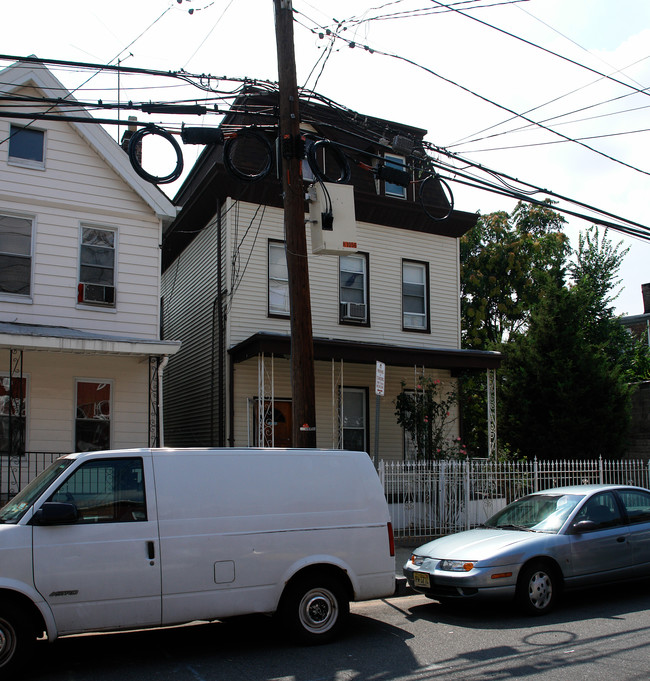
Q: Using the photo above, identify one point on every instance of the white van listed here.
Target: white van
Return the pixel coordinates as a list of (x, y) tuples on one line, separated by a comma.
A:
[(151, 537)]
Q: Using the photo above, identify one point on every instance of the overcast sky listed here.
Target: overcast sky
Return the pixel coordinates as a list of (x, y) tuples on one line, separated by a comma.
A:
[(236, 38)]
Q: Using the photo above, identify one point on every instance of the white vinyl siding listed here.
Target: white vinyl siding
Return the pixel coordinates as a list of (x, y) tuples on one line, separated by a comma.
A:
[(78, 187), (386, 248)]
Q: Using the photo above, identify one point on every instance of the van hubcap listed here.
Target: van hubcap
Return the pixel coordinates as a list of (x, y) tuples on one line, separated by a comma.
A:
[(7, 642), (318, 610)]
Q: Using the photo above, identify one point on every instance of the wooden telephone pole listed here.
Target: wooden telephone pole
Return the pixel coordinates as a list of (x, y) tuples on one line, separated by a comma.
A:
[(302, 346)]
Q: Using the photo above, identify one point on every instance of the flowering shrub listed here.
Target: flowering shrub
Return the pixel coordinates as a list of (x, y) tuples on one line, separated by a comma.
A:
[(425, 414)]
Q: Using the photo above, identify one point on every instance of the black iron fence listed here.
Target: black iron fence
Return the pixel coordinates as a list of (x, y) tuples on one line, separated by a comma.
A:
[(18, 470)]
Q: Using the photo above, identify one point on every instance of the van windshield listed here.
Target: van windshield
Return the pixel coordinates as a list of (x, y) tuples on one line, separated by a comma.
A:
[(17, 507)]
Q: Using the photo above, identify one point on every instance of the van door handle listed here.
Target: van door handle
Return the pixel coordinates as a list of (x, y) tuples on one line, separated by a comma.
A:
[(620, 540), (151, 551)]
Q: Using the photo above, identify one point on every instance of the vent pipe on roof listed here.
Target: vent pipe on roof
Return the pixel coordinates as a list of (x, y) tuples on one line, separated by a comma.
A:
[(127, 136)]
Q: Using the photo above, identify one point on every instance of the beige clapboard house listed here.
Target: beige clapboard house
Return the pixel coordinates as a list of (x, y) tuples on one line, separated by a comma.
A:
[(80, 234), (393, 298)]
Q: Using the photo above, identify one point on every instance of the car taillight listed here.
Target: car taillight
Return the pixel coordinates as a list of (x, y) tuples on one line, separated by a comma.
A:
[(391, 539)]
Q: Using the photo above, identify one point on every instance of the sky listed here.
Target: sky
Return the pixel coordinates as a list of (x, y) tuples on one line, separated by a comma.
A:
[(458, 75)]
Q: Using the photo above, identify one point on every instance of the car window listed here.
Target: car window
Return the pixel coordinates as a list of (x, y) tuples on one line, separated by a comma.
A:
[(637, 505), (106, 491), (602, 510), (539, 512)]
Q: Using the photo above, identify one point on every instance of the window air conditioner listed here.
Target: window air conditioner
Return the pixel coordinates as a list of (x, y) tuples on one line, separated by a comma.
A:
[(96, 294), (356, 311)]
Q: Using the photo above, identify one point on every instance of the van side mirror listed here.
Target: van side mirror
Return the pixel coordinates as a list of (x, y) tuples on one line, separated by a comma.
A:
[(55, 513)]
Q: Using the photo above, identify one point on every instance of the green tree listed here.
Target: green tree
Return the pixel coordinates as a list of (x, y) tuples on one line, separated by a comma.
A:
[(505, 261), (562, 396)]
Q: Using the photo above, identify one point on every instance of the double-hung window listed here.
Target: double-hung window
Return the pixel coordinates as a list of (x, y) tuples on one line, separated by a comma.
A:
[(15, 255), (97, 266), (415, 296), (355, 419), (93, 416), (26, 147), (353, 288), (278, 280)]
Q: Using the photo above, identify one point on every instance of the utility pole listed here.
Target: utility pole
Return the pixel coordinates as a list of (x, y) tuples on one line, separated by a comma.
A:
[(303, 403)]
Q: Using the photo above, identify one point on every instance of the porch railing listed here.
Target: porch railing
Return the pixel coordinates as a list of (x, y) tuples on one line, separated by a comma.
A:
[(433, 498), (18, 470)]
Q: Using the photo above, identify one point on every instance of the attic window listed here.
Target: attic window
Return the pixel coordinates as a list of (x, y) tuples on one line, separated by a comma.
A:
[(27, 147)]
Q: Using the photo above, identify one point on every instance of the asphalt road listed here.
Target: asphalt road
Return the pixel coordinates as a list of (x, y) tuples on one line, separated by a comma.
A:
[(600, 635)]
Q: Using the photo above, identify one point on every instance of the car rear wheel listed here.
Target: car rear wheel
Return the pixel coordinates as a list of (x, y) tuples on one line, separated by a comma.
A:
[(537, 588), (315, 609)]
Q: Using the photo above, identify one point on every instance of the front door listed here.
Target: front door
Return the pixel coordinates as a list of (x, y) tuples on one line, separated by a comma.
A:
[(277, 424), (103, 571)]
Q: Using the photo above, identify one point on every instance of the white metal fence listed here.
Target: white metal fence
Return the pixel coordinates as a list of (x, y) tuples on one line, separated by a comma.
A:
[(433, 498)]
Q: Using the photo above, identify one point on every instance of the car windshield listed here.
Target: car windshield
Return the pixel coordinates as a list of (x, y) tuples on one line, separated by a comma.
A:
[(17, 507), (537, 513)]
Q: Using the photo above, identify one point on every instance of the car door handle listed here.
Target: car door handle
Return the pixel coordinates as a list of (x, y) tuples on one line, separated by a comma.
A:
[(620, 540), (151, 550)]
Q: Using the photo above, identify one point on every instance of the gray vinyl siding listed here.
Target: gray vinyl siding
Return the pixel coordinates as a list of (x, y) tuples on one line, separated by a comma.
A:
[(189, 296)]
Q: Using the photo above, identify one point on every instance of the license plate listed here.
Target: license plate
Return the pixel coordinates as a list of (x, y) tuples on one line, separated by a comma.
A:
[(421, 579)]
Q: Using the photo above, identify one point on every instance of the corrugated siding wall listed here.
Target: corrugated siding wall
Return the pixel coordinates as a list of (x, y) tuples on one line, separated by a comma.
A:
[(189, 294)]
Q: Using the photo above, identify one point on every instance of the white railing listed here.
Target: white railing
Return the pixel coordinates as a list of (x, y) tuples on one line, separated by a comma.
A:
[(433, 498)]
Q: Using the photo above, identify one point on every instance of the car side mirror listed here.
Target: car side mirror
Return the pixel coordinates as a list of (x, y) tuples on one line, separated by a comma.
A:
[(55, 513), (583, 526)]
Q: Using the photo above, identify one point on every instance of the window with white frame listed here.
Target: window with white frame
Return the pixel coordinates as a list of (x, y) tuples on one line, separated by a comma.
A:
[(92, 416), (353, 288), (355, 419), (97, 266), (16, 255), (26, 147), (13, 413), (415, 303), (398, 162), (278, 279)]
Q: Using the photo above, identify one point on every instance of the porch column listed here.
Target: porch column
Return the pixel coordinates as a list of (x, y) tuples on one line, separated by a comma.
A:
[(265, 401), (154, 416), (492, 412)]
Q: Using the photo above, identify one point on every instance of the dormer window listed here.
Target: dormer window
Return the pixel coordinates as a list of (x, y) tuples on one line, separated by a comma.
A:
[(398, 162), (27, 147)]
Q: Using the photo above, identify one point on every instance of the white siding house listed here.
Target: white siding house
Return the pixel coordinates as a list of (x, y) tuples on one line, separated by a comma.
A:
[(394, 299), (80, 236)]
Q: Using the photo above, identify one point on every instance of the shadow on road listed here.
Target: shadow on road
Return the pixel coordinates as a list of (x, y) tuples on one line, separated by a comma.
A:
[(247, 647)]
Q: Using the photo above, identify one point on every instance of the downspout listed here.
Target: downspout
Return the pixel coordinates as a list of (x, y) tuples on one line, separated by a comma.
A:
[(161, 431)]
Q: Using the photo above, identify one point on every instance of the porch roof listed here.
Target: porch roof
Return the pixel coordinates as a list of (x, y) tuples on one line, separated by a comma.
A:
[(63, 339), (326, 349)]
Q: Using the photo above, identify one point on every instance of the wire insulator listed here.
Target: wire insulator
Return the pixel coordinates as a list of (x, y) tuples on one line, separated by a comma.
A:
[(340, 157), (134, 141), (240, 172), (437, 177)]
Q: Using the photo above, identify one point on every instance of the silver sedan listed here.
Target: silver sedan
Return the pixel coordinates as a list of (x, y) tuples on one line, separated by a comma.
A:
[(537, 546)]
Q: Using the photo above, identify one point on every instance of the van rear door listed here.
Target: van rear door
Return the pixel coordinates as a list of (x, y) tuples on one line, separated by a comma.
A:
[(102, 571)]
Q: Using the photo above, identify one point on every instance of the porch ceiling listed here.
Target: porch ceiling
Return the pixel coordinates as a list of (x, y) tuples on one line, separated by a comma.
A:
[(326, 349), (38, 337)]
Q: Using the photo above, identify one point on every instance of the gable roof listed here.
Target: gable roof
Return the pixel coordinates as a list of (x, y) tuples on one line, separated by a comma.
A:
[(24, 74)]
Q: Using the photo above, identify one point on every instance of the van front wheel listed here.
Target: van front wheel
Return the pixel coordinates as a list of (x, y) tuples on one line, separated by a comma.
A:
[(14, 638), (315, 609)]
